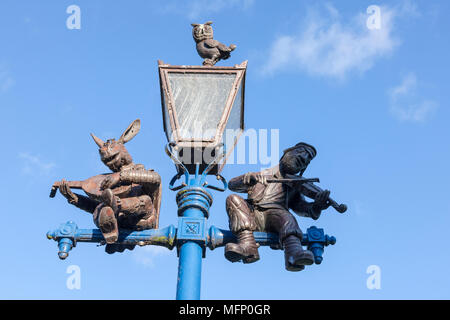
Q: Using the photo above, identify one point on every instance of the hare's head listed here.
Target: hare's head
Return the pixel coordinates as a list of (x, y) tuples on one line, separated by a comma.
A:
[(113, 153)]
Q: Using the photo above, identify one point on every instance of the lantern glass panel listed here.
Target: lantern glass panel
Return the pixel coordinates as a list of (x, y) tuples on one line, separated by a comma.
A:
[(200, 100), (234, 121), (234, 124)]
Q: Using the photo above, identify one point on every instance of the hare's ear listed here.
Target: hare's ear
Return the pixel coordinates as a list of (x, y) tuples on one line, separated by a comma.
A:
[(98, 141), (131, 131)]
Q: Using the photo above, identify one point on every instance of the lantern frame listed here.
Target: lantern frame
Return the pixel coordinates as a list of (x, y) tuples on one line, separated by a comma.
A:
[(169, 109)]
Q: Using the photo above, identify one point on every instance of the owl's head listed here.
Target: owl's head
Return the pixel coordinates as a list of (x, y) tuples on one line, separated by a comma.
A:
[(202, 31)]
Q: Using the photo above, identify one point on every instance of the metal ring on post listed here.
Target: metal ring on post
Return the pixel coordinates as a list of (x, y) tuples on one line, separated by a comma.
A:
[(194, 197)]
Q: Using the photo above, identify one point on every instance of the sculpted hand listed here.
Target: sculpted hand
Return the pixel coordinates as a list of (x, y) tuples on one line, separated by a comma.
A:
[(321, 201), (110, 181), (253, 178), (67, 193)]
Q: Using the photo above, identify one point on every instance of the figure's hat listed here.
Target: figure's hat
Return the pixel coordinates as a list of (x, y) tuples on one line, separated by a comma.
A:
[(309, 148)]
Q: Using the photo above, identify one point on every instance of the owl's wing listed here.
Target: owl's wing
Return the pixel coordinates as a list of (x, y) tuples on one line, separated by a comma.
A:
[(211, 43)]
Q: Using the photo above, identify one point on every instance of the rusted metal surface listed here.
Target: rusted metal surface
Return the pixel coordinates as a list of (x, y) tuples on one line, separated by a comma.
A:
[(129, 197), (91, 187)]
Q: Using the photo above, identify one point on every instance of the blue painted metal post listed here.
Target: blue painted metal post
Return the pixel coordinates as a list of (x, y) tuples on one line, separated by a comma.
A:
[(189, 271), (193, 208)]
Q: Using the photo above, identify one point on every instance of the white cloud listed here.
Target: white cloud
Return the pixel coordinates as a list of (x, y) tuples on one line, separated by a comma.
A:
[(148, 255), (195, 9), (327, 46), (6, 81), (407, 105), (34, 165)]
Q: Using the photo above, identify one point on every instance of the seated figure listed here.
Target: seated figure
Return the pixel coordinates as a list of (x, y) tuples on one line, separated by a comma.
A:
[(128, 198), (267, 209)]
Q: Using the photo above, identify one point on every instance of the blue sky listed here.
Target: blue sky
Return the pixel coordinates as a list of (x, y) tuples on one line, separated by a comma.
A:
[(373, 102)]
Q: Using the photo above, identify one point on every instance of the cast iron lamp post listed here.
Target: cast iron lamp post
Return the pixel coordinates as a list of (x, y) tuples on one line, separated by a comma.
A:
[(199, 104)]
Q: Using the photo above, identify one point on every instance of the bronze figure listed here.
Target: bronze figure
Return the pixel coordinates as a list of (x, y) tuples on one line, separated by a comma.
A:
[(267, 208), (128, 198), (209, 49)]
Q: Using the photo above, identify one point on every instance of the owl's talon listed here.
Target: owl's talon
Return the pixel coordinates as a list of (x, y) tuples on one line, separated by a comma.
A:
[(208, 62)]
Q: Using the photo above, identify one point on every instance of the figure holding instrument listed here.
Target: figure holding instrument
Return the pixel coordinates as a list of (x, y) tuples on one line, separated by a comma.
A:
[(128, 198), (271, 194)]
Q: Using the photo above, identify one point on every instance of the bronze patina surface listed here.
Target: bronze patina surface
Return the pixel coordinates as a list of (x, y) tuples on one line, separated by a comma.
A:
[(129, 197), (271, 194), (209, 49)]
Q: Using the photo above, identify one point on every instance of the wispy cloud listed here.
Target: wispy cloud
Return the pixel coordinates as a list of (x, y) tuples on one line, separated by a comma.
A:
[(328, 46), (407, 105), (34, 165), (195, 9), (148, 255), (6, 81)]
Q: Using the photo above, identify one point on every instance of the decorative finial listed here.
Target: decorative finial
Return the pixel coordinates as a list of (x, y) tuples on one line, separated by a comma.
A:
[(209, 49)]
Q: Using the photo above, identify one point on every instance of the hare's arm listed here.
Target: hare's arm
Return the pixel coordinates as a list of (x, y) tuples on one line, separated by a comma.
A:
[(85, 203), (144, 177), (148, 179)]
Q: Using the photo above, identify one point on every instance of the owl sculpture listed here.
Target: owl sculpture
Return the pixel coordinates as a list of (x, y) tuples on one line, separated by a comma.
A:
[(209, 49)]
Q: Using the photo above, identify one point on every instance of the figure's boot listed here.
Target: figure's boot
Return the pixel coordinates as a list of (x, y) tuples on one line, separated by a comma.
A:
[(107, 221), (111, 200), (245, 249), (295, 256), (118, 247)]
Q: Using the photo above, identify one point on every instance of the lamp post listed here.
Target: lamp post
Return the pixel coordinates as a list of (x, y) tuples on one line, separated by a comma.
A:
[(198, 104), (201, 105)]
